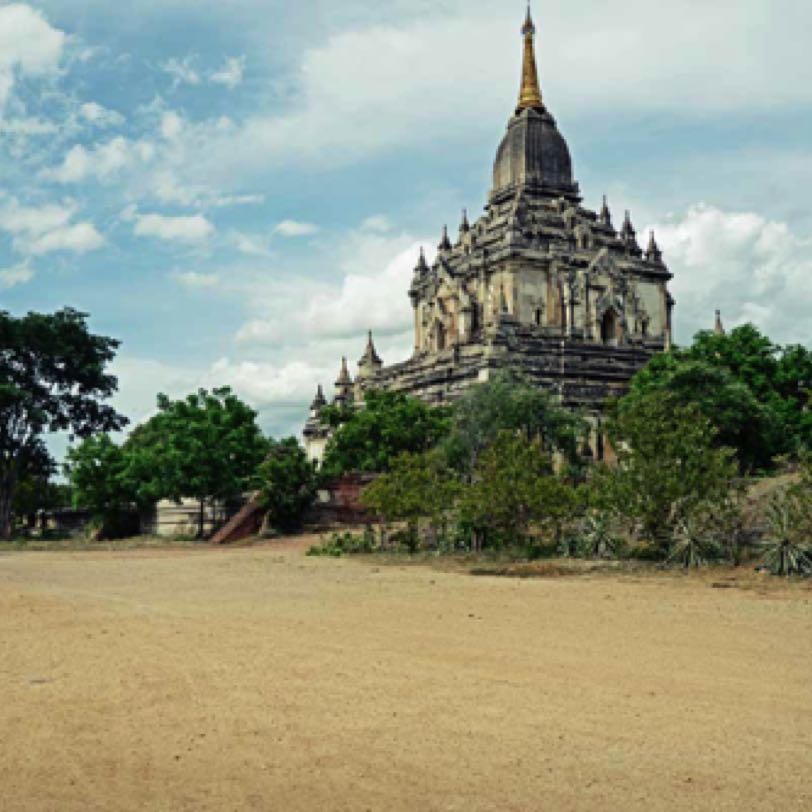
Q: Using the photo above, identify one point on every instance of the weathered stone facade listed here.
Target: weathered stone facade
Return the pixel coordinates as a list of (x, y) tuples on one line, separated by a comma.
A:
[(538, 283)]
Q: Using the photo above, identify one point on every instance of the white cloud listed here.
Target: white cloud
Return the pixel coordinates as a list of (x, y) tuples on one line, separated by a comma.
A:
[(79, 238), (231, 74), (292, 228), (45, 229), (18, 275), (594, 62), (371, 293), (181, 71), (189, 229), (171, 125), (751, 268), (250, 244), (102, 161), (377, 223), (28, 46), (100, 116), (27, 126), (196, 281)]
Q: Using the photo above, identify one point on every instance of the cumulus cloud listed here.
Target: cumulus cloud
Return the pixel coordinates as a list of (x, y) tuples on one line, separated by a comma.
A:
[(188, 229), (181, 71), (27, 126), (101, 161), (751, 268), (370, 293), (196, 281), (100, 116), (29, 46), (230, 74), (18, 275), (292, 228), (38, 230)]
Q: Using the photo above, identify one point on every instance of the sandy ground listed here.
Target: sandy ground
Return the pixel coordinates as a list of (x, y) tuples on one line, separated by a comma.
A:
[(261, 679)]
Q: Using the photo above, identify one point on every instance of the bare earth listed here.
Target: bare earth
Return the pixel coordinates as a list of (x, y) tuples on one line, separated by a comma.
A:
[(261, 679)]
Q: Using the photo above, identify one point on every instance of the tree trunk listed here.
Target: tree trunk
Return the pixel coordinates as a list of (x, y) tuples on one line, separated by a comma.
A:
[(8, 487), (201, 518)]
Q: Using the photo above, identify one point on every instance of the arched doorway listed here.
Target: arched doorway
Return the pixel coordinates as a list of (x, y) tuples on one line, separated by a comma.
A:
[(609, 327)]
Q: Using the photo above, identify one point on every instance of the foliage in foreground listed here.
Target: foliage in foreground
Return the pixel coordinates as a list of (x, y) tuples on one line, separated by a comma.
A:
[(787, 549), (288, 482), (339, 544), (53, 377), (370, 439)]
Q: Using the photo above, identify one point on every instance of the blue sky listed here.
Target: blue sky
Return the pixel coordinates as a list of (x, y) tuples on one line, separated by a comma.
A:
[(238, 190)]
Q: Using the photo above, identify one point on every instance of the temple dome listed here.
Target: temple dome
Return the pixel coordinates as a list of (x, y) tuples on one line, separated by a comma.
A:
[(533, 155)]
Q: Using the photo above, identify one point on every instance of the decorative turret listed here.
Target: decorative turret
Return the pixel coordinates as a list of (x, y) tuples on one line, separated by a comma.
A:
[(370, 363), (445, 243), (718, 327), (653, 252), (530, 92), (422, 266), (605, 217), (465, 226), (319, 402), (627, 234), (344, 385)]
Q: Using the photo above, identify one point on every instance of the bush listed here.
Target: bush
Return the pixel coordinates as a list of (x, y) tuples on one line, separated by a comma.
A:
[(346, 543)]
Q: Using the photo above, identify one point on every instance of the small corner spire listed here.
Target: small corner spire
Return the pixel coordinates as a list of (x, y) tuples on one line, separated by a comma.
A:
[(606, 215), (465, 226), (445, 243), (653, 252), (530, 93)]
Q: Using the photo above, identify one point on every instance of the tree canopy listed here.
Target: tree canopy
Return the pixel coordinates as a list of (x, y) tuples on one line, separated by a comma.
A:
[(53, 377), (288, 482), (756, 394), (508, 403), (206, 446), (390, 424)]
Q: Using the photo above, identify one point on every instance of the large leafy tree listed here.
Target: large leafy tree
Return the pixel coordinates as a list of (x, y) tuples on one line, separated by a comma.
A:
[(514, 487), (389, 424), (206, 446), (756, 394), (288, 482), (741, 422), (420, 490), (96, 470), (53, 377), (508, 403), (669, 467)]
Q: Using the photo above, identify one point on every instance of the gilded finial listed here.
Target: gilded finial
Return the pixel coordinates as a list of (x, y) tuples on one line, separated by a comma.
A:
[(530, 93)]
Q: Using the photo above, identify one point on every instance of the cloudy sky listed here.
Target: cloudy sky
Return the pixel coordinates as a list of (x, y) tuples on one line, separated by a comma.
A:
[(238, 190)]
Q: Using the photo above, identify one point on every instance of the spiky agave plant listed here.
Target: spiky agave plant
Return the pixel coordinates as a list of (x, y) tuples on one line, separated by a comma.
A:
[(596, 539), (784, 553), (694, 543)]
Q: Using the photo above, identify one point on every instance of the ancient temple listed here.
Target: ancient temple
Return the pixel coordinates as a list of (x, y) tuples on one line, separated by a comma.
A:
[(539, 284)]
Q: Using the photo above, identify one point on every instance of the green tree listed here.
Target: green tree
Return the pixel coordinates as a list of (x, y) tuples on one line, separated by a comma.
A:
[(96, 470), (740, 421), (756, 393), (419, 488), (206, 446), (508, 403), (288, 482), (512, 488), (389, 424), (668, 466), (53, 377)]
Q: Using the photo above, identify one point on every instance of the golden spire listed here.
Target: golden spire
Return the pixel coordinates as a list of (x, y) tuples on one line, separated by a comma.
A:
[(530, 94)]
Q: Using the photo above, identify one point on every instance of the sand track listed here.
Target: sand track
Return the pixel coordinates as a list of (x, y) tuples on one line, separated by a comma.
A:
[(261, 679)]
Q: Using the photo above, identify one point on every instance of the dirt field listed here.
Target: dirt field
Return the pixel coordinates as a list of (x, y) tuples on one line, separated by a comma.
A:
[(262, 679)]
